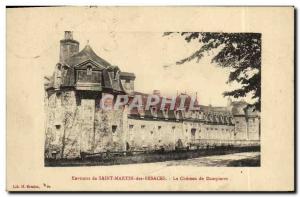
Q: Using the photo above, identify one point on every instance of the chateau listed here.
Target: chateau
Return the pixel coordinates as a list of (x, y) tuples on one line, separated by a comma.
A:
[(76, 124)]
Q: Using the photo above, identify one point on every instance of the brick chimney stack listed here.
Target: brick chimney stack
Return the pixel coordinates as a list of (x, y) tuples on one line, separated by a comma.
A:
[(68, 47)]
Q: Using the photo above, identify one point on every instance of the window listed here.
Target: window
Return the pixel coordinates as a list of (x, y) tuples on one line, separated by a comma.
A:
[(159, 127), (143, 126), (65, 70), (114, 128), (89, 70), (151, 132), (130, 126), (127, 84), (116, 77)]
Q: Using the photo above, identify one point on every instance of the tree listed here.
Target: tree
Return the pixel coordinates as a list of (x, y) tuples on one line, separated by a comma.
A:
[(239, 51)]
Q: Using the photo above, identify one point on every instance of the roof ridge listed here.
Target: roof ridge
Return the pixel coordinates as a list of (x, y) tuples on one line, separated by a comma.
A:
[(87, 53)]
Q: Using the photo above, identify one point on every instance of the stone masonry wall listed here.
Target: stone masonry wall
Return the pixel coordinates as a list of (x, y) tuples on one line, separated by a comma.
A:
[(72, 129), (62, 125), (253, 128), (241, 128)]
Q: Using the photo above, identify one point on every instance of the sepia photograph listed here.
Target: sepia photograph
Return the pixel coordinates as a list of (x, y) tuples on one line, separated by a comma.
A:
[(98, 113), (150, 99)]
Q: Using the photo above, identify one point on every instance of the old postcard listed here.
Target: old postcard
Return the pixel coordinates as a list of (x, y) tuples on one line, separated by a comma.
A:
[(150, 99)]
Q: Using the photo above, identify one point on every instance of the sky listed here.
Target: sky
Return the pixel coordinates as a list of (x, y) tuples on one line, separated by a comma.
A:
[(148, 54)]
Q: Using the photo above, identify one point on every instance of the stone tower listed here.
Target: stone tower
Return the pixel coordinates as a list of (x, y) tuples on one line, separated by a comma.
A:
[(75, 122)]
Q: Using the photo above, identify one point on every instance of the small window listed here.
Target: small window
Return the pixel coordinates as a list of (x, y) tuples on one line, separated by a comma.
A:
[(116, 74), (58, 66), (151, 132), (65, 70), (159, 127), (130, 126), (114, 128), (143, 126), (89, 70), (57, 126)]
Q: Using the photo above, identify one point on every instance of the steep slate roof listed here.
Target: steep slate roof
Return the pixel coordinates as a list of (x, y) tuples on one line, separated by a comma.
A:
[(87, 53), (211, 114), (127, 75)]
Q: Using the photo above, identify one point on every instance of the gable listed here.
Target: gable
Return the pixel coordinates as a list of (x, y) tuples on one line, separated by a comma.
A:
[(89, 63)]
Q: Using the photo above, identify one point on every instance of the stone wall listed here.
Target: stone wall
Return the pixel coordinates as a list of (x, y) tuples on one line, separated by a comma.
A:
[(153, 134), (241, 128), (253, 128), (72, 128), (62, 125), (217, 132), (109, 133), (76, 125)]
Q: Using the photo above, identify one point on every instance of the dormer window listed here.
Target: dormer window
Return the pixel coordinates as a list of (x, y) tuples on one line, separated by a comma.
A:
[(65, 70), (111, 74), (117, 73), (127, 84), (89, 70)]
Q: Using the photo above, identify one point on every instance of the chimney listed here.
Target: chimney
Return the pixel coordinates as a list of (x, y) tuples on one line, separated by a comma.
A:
[(68, 35), (68, 47)]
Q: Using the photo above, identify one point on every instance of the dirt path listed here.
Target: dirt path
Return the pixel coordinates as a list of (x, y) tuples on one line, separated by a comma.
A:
[(236, 159)]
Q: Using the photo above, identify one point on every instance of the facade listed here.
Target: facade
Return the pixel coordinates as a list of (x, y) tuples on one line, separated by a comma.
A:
[(76, 124)]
